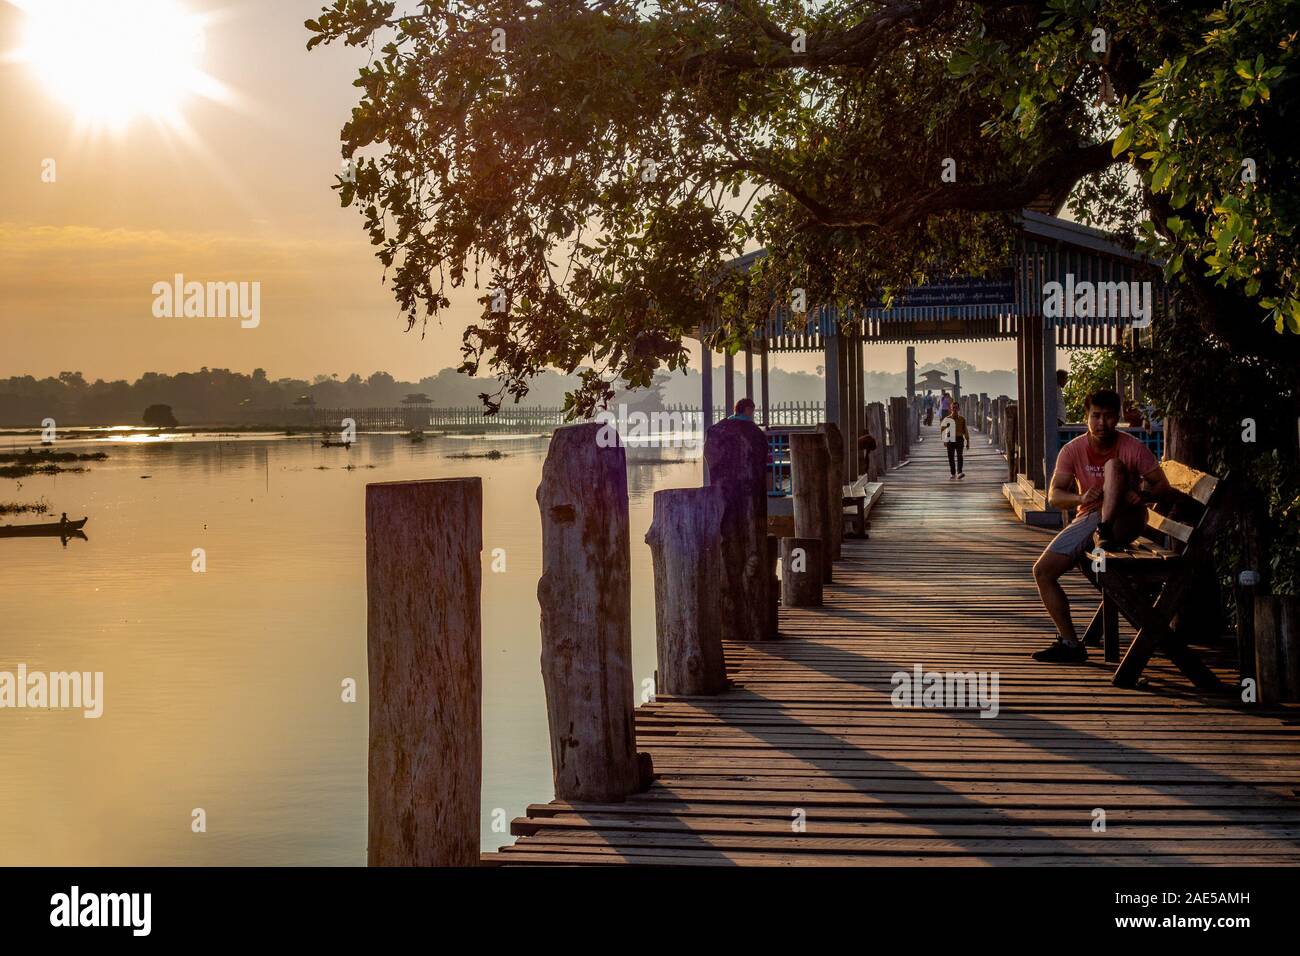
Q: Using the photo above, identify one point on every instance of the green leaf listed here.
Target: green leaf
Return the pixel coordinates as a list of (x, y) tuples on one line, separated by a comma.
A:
[(1123, 140)]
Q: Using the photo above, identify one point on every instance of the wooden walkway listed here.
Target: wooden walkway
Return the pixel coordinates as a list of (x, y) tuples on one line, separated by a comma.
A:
[(807, 762)]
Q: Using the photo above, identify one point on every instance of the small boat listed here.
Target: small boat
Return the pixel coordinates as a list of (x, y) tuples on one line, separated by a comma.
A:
[(335, 444), (51, 529)]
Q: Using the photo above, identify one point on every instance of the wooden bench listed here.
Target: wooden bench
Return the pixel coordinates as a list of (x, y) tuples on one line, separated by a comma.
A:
[(1149, 580), (858, 500)]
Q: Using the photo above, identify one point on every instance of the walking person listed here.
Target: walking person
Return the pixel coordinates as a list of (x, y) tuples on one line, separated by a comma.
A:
[(866, 445), (953, 431), (929, 407), (1109, 468), (1062, 376)]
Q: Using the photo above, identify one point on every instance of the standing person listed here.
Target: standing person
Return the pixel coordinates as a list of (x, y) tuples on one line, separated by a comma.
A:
[(1108, 467), (945, 403), (953, 431), (929, 407), (1062, 376)]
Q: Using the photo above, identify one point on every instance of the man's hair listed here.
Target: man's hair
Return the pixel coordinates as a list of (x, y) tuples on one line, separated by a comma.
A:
[(1061, 376), (1105, 399), (740, 405)]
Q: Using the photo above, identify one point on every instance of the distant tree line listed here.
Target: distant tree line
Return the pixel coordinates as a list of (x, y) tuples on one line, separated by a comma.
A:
[(223, 397)]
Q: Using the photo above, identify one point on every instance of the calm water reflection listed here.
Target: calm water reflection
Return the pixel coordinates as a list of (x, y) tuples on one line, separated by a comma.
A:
[(222, 690)]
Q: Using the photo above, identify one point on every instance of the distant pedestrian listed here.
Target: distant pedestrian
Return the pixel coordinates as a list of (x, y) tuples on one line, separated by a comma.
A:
[(1062, 376), (929, 407), (954, 434), (945, 403), (866, 445)]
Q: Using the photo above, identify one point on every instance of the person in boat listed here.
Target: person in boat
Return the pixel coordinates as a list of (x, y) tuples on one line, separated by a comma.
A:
[(63, 518)]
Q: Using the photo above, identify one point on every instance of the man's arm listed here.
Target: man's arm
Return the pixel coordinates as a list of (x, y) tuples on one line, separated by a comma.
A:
[(1157, 485), (1061, 494)]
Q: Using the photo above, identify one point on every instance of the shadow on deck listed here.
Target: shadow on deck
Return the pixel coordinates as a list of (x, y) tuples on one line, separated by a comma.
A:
[(807, 762)]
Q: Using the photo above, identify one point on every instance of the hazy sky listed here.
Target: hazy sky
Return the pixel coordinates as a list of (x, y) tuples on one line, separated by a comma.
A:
[(243, 195)]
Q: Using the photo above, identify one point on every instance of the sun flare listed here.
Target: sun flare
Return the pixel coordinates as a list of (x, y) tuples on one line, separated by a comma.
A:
[(113, 63)]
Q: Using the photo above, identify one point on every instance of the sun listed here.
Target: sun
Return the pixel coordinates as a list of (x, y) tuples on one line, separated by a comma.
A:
[(116, 62)]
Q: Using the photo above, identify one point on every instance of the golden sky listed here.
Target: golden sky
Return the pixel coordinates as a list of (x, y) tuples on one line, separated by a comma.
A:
[(240, 194)]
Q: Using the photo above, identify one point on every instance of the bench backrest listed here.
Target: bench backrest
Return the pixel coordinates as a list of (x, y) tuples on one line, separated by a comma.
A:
[(1198, 492)]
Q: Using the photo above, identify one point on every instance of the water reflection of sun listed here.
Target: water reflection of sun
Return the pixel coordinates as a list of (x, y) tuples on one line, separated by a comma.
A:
[(116, 62)]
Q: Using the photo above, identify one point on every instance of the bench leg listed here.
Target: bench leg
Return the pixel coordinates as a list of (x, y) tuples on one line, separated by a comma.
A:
[(1154, 634), (1092, 636), (1109, 628)]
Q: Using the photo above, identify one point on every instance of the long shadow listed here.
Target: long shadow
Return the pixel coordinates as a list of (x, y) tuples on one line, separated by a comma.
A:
[(823, 750)]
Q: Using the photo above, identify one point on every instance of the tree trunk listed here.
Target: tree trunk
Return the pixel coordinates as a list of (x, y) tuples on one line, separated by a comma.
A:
[(585, 597)]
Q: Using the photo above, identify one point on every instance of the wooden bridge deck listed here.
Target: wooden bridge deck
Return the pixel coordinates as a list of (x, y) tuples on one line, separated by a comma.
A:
[(809, 734)]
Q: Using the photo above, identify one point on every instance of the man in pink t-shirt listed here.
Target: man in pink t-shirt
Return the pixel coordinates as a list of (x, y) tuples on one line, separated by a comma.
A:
[(1108, 468)]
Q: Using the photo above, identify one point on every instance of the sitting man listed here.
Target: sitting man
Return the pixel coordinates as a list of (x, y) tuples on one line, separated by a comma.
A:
[(1108, 467)]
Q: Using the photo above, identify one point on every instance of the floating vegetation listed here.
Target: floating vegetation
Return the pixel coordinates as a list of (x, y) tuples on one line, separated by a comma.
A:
[(32, 456), (493, 454), (21, 508)]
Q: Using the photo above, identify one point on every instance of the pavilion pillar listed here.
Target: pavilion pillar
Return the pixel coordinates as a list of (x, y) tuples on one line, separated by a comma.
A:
[(729, 386), (1022, 377), (831, 351), (749, 370), (956, 385), (1051, 432), (706, 395), (911, 374), (854, 409), (1037, 407), (764, 370)]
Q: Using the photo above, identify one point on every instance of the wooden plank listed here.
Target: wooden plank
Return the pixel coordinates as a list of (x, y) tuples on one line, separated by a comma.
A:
[(1195, 484)]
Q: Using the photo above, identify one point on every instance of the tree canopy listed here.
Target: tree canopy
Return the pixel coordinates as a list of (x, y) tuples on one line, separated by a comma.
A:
[(590, 165)]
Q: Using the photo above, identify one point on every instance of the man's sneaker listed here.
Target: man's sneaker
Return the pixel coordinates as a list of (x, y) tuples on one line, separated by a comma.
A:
[(961, 474), (1062, 653)]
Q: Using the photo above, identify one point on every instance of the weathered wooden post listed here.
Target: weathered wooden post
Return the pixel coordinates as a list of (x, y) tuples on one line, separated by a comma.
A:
[(685, 539), (1277, 648), (1268, 653), (424, 650), (585, 597), (834, 486), (809, 462), (1012, 438), (876, 460), (735, 453), (801, 584), (773, 587)]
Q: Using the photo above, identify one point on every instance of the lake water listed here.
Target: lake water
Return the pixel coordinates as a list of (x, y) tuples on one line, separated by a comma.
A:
[(222, 690)]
